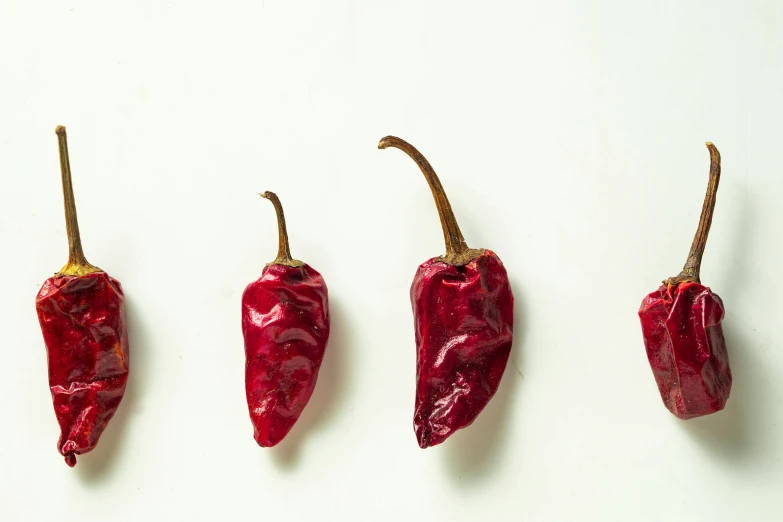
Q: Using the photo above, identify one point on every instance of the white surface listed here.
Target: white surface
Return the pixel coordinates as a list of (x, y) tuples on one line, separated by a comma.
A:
[(570, 139)]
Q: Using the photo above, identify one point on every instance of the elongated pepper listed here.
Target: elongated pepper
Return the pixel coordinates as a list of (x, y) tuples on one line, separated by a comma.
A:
[(81, 310), (463, 320), (681, 324), (285, 323)]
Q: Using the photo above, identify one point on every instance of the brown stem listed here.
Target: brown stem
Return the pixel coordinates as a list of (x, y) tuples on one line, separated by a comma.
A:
[(283, 250), (690, 272), (77, 264), (457, 251)]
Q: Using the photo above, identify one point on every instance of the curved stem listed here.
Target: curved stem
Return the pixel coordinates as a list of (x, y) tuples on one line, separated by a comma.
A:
[(77, 264), (457, 251), (690, 271), (283, 250)]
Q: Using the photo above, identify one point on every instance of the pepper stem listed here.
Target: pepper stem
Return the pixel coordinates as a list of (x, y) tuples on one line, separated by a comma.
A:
[(77, 264), (690, 272), (458, 253), (283, 250)]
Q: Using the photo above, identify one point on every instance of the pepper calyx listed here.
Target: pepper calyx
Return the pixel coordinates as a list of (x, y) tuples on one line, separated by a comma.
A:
[(462, 258), (77, 269), (292, 263)]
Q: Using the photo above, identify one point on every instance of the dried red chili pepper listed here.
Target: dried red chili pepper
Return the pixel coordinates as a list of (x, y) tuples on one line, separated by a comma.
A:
[(82, 315), (681, 323), (463, 319), (285, 323)]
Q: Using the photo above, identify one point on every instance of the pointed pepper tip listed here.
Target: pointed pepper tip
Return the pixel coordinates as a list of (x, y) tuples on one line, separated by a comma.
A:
[(70, 459)]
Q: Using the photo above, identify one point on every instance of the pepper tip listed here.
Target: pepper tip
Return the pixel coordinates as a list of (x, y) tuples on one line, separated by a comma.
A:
[(70, 459), (60, 130), (424, 437)]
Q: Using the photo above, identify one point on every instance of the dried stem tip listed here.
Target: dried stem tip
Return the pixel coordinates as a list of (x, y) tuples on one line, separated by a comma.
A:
[(283, 250)]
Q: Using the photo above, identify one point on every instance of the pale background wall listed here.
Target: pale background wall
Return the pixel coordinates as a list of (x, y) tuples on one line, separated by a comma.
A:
[(569, 136)]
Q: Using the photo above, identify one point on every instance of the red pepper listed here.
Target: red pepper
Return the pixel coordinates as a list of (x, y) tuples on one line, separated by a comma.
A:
[(681, 323), (285, 323), (463, 319), (82, 314)]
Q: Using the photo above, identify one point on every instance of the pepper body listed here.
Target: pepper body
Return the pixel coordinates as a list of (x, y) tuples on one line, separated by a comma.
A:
[(285, 323), (682, 331), (463, 318), (83, 323)]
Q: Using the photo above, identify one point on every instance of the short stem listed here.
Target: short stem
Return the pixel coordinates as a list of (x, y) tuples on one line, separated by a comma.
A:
[(457, 251), (77, 264), (690, 271), (283, 250)]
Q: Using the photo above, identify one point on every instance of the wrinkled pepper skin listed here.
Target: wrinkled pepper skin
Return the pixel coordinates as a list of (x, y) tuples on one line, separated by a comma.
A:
[(83, 323), (285, 323), (686, 349), (463, 318)]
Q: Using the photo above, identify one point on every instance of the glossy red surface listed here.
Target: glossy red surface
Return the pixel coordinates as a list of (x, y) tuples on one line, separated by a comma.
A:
[(83, 324), (463, 318), (686, 349), (285, 322)]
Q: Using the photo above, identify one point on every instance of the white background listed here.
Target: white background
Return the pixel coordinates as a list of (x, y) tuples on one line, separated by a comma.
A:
[(570, 138)]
